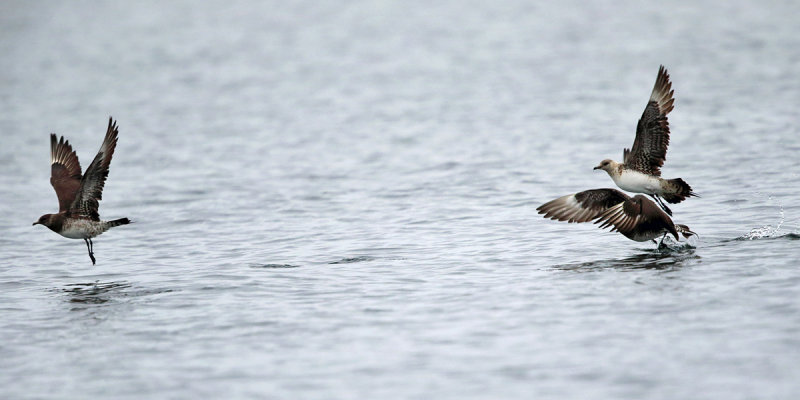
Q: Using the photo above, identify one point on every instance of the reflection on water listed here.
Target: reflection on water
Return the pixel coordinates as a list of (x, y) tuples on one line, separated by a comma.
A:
[(103, 292), (409, 146), (96, 292), (273, 266), (350, 260), (655, 259)]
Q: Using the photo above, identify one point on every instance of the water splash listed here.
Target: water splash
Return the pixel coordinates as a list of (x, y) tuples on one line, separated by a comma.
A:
[(763, 232), (767, 231), (670, 245)]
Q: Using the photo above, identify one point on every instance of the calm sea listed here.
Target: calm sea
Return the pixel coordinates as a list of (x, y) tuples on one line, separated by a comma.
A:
[(336, 200)]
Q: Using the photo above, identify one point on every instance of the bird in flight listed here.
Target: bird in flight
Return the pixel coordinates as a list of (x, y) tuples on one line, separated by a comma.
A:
[(637, 217), (78, 195), (640, 170)]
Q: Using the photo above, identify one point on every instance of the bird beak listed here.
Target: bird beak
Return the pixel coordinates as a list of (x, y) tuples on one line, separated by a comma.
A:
[(35, 223), (597, 167)]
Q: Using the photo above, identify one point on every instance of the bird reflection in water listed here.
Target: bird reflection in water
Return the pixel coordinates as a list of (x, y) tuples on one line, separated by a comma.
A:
[(669, 258), (96, 292)]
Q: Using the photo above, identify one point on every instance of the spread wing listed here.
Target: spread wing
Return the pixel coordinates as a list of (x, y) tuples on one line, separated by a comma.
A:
[(91, 186), (65, 171), (636, 214), (624, 216), (582, 206), (649, 149)]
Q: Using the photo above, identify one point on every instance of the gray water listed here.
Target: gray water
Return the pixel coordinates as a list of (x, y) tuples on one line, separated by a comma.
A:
[(337, 200)]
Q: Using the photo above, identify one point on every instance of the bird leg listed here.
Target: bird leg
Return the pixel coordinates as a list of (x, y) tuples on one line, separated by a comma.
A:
[(662, 240), (660, 202), (90, 247)]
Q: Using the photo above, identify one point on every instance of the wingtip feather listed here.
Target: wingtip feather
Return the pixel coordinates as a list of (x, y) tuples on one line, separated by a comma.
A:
[(662, 92)]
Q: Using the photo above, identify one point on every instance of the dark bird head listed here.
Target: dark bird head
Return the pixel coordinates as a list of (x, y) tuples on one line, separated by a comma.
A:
[(45, 220)]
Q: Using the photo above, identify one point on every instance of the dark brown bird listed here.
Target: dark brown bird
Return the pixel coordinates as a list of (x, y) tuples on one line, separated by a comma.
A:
[(640, 171), (78, 195), (637, 217)]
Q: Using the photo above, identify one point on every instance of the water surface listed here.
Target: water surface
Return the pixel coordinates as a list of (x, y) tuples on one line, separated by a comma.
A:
[(337, 200)]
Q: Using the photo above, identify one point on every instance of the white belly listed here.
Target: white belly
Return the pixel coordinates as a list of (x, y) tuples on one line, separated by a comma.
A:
[(638, 182), (79, 229)]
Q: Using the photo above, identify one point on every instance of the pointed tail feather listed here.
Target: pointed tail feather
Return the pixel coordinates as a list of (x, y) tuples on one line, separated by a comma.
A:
[(118, 222), (679, 190), (684, 230)]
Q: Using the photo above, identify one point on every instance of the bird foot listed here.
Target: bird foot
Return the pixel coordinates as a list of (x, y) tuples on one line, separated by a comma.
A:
[(91, 255), (661, 244), (660, 202)]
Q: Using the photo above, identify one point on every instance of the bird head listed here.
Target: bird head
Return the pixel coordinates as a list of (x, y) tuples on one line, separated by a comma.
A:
[(44, 220), (607, 165)]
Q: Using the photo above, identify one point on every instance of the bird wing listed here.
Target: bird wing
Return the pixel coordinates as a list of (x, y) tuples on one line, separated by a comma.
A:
[(649, 149), (91, 186), (636, 213), (624, 216), (65, 171), (582, 206)]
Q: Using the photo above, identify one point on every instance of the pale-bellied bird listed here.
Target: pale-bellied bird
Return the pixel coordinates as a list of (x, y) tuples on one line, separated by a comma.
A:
[(640, 170), (78, 195)]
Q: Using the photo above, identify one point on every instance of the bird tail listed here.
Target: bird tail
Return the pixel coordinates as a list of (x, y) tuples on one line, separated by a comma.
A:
[(684, 230), (677, 190), (117, 222)]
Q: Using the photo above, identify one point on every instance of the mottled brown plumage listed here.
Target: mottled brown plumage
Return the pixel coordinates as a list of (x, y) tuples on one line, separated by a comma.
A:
[(93, 181), (583, 206), (640, 170), (78, 195), (649, 149), (637, 217), (65, 172)]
